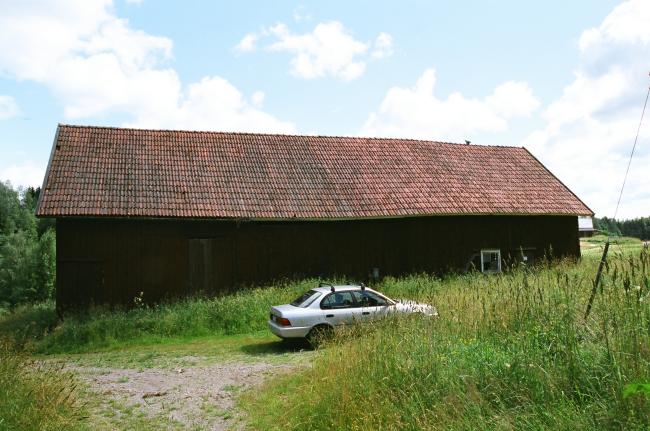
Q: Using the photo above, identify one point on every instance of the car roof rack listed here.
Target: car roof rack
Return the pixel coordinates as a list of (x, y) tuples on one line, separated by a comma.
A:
[(331, 286)]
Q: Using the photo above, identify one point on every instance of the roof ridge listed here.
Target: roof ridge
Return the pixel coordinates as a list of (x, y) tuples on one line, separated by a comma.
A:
[(289, 135)]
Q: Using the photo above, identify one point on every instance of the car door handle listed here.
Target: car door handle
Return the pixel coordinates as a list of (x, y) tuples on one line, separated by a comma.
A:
[(366, 312), (329, 315)]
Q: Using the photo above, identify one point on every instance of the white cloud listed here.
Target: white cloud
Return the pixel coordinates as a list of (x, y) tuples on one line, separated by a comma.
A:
[(590, 129), (258, 99), (512, 99), (626, 24), (247, 43), (28, 174), (383, 46), (418, 112), (329, 50), (8, 107), (212, 104), (96, 63)]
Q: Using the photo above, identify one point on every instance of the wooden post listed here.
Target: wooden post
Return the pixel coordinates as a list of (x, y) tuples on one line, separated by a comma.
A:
[(597, 280)]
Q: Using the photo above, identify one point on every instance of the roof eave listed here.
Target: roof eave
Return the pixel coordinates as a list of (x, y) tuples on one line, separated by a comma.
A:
[(38, 211), (296, 219)]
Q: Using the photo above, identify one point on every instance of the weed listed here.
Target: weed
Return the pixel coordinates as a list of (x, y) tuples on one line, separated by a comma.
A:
[(509, 351), (35, 396)]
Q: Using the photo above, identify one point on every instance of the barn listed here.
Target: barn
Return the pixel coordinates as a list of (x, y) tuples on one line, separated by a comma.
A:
[(174, 213)]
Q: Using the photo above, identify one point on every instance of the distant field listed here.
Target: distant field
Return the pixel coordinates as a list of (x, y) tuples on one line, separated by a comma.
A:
[(596, 243)]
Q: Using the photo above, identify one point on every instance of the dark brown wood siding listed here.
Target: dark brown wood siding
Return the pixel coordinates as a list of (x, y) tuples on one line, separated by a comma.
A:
[(113, 260)]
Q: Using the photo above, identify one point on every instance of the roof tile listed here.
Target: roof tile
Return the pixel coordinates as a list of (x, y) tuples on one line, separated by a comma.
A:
[(103, 171)]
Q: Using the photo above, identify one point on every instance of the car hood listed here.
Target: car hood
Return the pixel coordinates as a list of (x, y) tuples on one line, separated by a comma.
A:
[(407, 306)]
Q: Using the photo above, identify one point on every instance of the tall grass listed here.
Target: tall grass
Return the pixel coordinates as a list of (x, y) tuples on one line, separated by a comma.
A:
[(35, 397), (37, 327), (510, 351)]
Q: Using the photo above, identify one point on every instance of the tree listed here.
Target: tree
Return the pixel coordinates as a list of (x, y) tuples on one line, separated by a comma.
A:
[(27, 249), (638, 227)]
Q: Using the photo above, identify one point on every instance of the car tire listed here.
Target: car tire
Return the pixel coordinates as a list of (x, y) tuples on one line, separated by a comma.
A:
[(319, 334)]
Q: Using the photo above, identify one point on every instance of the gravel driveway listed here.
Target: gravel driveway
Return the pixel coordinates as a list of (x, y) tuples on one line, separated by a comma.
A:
[(193, 397)]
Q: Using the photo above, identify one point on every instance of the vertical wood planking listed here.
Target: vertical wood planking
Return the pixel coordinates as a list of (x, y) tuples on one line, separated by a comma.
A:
[(158, 256)]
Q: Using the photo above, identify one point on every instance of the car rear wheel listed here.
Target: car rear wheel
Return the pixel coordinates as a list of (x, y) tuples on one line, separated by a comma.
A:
[(319, 334)]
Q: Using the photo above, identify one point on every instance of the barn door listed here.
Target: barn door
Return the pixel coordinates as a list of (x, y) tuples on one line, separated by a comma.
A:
[(80, 282), (210, 264)]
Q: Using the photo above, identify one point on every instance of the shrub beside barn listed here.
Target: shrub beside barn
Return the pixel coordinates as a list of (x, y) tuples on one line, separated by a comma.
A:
[(174, 213)]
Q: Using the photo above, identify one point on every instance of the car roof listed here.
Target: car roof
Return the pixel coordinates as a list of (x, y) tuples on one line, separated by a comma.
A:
[(339, 288)]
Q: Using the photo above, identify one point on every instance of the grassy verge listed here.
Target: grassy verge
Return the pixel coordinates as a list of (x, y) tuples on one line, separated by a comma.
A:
[(260, 346), (508, 352), (37, 328), (36, 397)]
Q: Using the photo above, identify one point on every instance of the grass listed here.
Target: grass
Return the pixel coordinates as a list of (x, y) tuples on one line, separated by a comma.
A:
[(37, 328), (118, 415), (36, 397), (509, 352), (187, 333), (188, 352), (595, 244)]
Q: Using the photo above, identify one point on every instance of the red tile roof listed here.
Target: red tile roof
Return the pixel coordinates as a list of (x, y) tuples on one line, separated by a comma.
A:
[(101, 171)]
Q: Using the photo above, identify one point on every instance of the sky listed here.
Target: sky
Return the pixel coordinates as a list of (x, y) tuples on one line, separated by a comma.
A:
[(566, 80)]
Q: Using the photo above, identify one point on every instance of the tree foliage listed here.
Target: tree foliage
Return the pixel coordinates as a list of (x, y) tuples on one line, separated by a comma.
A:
[(638, 227), (27, 249)]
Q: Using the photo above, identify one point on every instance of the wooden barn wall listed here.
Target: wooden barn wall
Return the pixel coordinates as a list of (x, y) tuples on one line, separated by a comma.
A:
[(113, 260)]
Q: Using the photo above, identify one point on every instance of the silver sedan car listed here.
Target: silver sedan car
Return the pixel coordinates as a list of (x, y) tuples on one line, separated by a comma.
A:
[(319, 310)]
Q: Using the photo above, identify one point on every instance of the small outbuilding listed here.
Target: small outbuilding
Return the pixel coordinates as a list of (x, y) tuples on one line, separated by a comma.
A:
[(586, 226), (174, 213)]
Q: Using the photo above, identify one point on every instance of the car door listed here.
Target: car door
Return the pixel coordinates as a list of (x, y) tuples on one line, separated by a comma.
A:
[(340, 308), (372, 305)]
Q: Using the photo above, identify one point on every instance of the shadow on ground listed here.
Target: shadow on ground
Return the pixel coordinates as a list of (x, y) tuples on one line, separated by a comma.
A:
[(277, 347)]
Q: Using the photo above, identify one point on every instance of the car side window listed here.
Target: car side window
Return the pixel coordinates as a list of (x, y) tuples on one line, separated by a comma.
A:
[(369, 299), (338, 300)]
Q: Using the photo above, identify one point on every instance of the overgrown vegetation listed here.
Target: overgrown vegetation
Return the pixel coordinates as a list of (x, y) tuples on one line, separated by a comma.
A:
[(508, 352), (37, 328), (27, 249), (36, 397)]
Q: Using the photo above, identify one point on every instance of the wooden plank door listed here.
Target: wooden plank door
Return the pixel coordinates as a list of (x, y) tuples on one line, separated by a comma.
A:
[(210, 265)]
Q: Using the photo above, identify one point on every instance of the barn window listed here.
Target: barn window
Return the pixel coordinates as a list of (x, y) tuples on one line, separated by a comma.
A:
[(490, 261)]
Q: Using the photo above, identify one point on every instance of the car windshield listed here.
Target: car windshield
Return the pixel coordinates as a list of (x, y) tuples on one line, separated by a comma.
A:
[(305, 299)]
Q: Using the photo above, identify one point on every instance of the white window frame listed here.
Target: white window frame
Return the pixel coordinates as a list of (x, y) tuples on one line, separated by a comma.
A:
[(491, 250)]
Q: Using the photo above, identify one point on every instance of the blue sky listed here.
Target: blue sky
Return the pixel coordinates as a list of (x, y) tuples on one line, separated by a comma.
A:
[(565, 79)]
